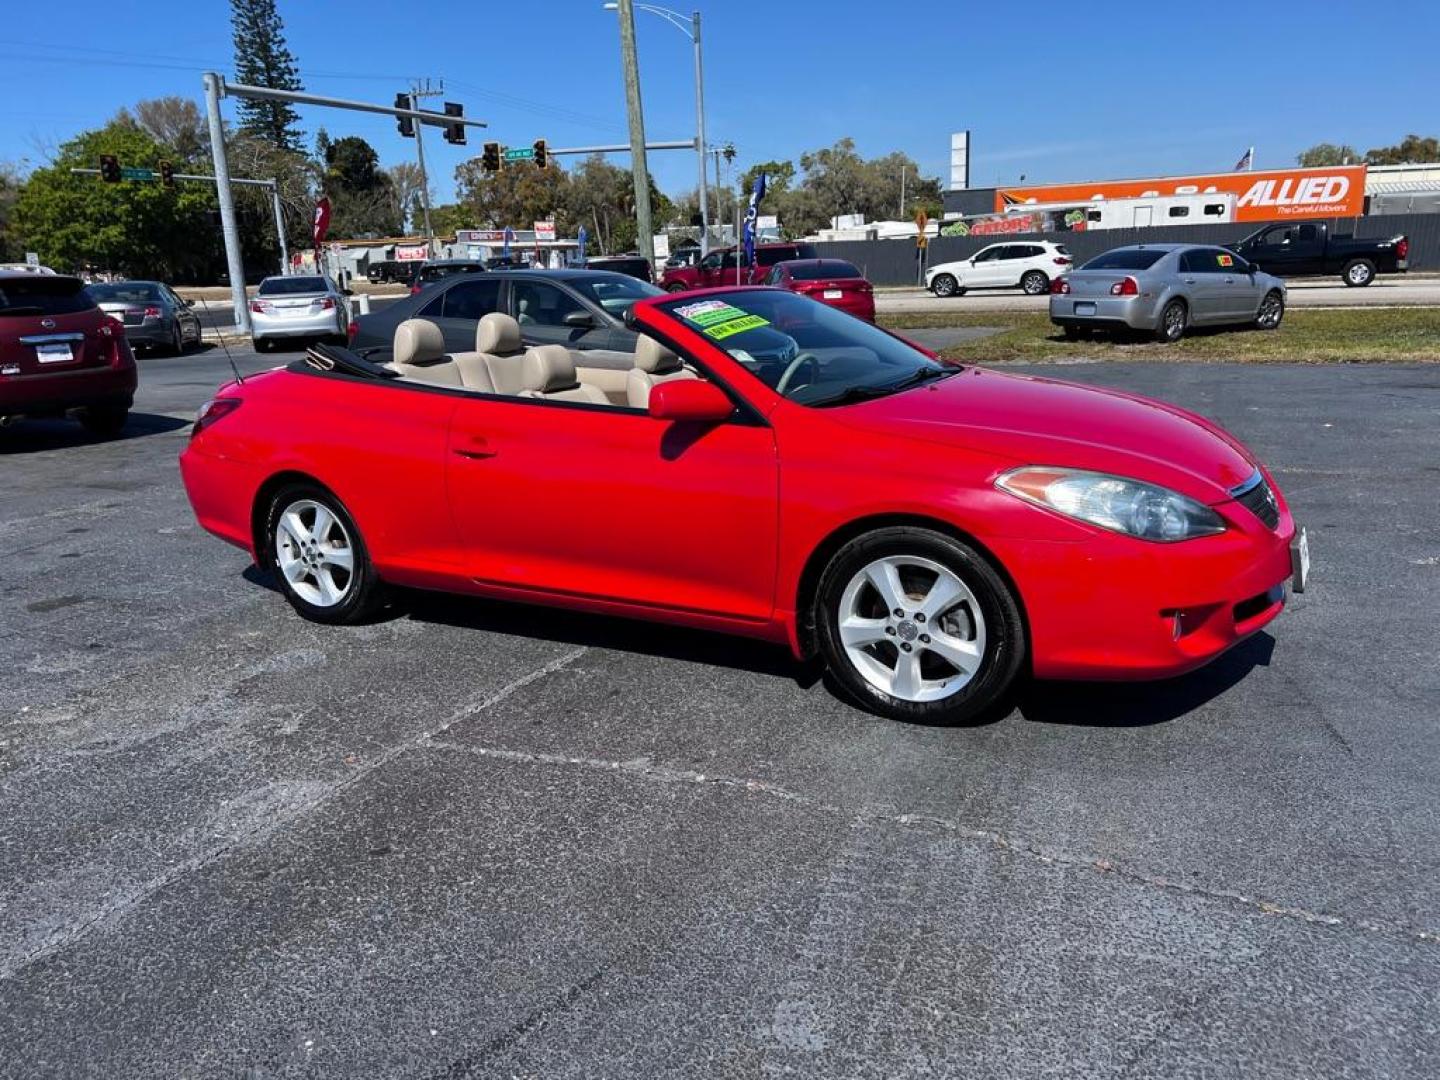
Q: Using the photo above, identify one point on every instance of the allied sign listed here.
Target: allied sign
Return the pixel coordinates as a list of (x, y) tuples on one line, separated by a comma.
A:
[(1271, 195), (414, 253), (544, 230)]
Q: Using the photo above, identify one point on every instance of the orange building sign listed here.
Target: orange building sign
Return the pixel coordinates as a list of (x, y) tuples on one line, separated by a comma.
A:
[(1338, 191)]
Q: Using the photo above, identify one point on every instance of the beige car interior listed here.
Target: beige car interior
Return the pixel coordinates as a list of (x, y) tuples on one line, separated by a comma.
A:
[(501, 364)]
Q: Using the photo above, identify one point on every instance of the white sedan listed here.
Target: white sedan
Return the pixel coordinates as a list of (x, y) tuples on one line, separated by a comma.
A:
[(1030, 266)]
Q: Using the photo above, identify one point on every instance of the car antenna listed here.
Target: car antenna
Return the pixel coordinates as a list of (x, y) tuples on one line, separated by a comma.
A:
[(223, 344)]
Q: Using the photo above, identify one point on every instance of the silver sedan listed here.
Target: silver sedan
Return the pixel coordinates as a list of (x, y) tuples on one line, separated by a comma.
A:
[(303, 306), (1165, 289)]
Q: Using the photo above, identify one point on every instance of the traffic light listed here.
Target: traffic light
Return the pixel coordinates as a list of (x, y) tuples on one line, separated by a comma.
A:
[(542, 154), (167, 174), (490, 158), (109, 168), (455, 133), (405, 124)]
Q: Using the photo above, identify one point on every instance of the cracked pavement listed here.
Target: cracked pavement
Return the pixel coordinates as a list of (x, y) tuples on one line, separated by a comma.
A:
[(481, 840)]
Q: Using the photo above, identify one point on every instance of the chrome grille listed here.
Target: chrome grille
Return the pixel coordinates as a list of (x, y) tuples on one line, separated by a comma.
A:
[(1255, 495)]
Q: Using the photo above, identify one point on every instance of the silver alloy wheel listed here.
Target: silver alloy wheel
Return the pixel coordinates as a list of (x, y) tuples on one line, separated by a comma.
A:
[(912, 628), (945, 285), (1271, 312), (1359, 273), (1033, 283), (1174, 322), (314, 553)]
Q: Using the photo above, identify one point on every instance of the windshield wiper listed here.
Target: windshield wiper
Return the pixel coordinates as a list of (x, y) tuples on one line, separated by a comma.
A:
[(867, 393)]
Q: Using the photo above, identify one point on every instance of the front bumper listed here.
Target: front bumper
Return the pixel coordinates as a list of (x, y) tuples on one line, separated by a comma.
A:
[(1119, 608), (1136, 312)]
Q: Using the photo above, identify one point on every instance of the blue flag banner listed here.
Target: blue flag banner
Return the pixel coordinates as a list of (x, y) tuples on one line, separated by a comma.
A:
[(581, 237), (509, 235), (751, 213)]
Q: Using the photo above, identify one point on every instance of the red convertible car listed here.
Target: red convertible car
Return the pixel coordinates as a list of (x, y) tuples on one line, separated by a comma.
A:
[(770, 467)]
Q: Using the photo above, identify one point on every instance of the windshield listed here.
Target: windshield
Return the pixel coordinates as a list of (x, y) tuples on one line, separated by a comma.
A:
[(1125, 259), (292, 286), (811, 353), (127, 292), (614, 294)]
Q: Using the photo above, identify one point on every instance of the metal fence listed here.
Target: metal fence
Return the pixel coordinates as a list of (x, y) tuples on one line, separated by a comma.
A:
[(893, 262)]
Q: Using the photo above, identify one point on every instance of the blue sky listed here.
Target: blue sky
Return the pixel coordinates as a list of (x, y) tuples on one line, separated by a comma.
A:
[(1051, 91)]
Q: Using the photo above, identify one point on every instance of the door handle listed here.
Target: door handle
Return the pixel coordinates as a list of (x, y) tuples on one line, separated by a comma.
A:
[(1189, 281), (475, 448)]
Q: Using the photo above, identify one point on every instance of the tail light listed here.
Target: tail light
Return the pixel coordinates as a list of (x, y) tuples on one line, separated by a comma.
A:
[(414, 289), (1402, 248), (152, 313), (1128, 287), (259, 306), (1060, 286), (1061, 260), (865, 286), (327, 303), (352, 329), (213, 410)]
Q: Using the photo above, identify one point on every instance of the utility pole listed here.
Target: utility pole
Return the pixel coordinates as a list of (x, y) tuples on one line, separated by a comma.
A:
[(902, 194), (638, 166), (228, 229), (700, 134), (416, 93)]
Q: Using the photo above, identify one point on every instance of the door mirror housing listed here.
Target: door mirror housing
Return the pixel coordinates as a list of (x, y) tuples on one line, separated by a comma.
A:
[(580, 320), (690, 400)]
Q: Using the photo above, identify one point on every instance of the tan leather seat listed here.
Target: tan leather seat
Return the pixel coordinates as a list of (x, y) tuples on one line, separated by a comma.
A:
[(654, 364), (419, 354), (497, 340), (548, 372)]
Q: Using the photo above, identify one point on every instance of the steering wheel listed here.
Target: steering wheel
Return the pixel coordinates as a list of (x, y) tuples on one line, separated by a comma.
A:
[(794, 366)]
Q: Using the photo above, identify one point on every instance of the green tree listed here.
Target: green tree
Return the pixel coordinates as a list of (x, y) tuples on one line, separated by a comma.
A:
[(1327, 154), (10, 187), (601, 196), (176, 124), (518, 195), (362, 198), (1410, 150), (263, 59), (140, 228)]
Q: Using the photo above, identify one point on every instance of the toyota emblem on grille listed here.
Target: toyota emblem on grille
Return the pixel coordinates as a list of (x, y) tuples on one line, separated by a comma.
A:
[(48, 324)]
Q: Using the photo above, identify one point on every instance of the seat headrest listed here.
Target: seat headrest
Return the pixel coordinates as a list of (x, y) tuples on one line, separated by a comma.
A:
[(548, 368), (418, 342), (497, 333), (655, 358)]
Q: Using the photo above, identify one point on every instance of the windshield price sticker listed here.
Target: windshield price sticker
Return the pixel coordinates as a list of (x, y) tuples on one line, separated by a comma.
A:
[(709, 312), (1225, 260), (735, 326)]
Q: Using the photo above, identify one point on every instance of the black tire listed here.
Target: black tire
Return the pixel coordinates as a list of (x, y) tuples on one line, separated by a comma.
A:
[(1075, 333), (1271, 311), (1034, 283), (264, 345), (1358, 273), (675, 288), (1004, 652), (365, 593), (1169, 330), (177, 341), (104, 421), (945, 285)]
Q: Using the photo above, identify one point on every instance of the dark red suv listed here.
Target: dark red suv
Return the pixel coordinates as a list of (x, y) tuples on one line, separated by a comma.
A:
[(60, 353), (721, 267)]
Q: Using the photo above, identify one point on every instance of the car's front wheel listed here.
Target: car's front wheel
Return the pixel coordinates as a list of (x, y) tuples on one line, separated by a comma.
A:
[(945, 285), (1035, 283), (1272, 310), (918, 626), (318, 557)]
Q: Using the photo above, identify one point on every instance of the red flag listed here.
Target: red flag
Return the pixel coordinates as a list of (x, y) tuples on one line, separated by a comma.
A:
[(322, 220)]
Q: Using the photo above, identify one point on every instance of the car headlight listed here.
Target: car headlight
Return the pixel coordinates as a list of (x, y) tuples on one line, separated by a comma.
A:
[(1132, 507)]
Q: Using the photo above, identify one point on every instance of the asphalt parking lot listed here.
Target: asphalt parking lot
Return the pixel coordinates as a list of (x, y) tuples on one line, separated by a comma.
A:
[(482, 840)]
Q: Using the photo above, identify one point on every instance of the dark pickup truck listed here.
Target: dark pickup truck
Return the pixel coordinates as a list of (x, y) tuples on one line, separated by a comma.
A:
[(1309, 248)]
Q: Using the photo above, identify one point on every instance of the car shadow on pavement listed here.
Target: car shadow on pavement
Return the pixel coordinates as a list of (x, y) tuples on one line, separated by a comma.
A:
[(37, 436), (581, 628), (1141, 704)]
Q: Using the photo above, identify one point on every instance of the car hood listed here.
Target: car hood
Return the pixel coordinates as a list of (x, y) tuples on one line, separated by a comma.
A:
[(1028, 420)]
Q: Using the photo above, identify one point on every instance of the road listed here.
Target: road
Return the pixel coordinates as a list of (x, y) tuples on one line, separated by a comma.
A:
[(474, 839), (1384, 292)]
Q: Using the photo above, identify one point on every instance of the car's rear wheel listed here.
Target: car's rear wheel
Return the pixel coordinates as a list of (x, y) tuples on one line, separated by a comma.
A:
[(104, 421), (918, 626), (263, 344), (675, 288), (1075, 333), (945, 285), (1358, 272), (318, 556), (1173, 321), (1272, 311), (1034, 282), (177, 340)]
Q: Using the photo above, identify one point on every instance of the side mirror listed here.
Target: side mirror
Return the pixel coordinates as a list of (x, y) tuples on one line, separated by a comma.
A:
[(580, 319), (690, 400)]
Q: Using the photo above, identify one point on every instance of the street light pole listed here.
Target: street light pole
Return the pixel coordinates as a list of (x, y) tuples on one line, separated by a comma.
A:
[(638, 167), (700, 137), (228, 229)]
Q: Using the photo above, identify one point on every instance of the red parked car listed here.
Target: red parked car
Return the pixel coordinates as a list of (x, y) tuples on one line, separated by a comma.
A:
[(60, 354), (831, 281), (723, 267), (770, 467)]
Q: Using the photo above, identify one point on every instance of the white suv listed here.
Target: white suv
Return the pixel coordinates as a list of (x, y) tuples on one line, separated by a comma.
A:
[(1027, 265)]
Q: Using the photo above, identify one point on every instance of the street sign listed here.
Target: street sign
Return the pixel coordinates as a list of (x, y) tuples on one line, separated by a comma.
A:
[(544, 230), (32, 258), (922, 219), (519, 153), (129, 173)]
